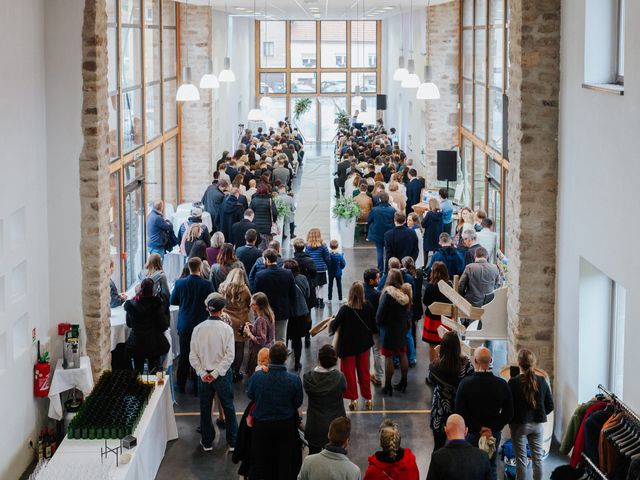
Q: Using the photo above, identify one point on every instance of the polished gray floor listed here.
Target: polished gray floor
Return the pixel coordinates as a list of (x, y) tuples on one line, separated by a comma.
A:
[(185, 459)]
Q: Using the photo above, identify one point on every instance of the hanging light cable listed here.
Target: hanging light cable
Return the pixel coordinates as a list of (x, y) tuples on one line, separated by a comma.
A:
[(187, 91), (363, 101), (255, 114), (427, 89), (265, 101), (209, 80), (401, 71), (411, 80), (227, 75)]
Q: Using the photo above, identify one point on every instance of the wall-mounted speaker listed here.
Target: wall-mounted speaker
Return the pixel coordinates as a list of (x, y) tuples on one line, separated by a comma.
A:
[(447, 165), (381, 102)]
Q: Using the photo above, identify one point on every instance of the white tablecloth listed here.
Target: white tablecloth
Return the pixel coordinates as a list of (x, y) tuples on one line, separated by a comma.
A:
[(120, 331), (63, 380), (172, 265), (157, 426), (179, 217)]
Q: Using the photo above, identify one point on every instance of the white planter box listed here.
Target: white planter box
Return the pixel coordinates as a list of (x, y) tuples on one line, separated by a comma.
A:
[(347, 232)]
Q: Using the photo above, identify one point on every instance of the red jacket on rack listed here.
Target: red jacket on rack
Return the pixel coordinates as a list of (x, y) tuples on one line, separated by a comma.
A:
[(578, 447)]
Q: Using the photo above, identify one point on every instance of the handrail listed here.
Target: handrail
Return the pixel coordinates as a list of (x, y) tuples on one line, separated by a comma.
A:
[(593, 468), (628, 411)]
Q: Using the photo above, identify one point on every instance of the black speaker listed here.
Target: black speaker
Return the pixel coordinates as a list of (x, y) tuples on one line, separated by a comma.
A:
[(447, 165), (381, 102)]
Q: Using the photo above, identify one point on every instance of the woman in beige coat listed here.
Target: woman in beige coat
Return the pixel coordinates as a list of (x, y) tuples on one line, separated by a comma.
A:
[(238, 299)]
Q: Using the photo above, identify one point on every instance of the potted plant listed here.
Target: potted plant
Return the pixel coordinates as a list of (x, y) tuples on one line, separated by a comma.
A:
[(342, 119), (302, 106), (347, 211)]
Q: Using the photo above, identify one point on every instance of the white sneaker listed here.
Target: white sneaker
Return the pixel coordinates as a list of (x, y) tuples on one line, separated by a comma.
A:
[(231, 449), (206, 449)]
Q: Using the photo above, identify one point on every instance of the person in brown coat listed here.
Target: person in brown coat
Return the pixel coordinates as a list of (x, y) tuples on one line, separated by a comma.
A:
[(364, 201)]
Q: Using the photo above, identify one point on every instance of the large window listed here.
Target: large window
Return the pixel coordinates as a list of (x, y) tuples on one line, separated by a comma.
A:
[(143, 123), (314, 59), (483, 93)]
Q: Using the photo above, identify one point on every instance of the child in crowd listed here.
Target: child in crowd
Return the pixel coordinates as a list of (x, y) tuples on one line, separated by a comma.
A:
[(336, 265), (263, 360)]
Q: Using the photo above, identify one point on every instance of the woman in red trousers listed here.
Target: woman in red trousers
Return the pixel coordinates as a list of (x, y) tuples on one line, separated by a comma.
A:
[(355, 326), (392, 461)]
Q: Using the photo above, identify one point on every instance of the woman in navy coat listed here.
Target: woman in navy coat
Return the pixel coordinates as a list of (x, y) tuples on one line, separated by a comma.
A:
[(433, 227)]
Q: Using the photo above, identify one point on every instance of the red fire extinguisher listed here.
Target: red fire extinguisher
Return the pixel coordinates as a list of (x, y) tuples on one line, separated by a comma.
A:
[(41, 373)]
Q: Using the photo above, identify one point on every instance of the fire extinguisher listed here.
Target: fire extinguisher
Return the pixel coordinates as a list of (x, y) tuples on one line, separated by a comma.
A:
[(41, 373)]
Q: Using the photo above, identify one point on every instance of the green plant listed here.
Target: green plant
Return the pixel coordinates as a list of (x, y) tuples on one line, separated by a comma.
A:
[(342, 119), (282, 209), (346, 208), (302, 106)]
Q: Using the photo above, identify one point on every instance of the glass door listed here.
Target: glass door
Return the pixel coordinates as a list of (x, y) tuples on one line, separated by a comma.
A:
[(308, 122), (134, 225), (329, 107)]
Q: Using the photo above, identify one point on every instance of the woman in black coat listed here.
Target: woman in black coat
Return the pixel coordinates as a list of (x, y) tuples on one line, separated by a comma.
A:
[(324, 386), (433, 227), (264, 210), (393, 318), (355, 339), (299, 322), (409, 266), (148, 321)]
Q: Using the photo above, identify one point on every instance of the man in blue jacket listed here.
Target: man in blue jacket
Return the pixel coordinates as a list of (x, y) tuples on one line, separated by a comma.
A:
[(449, 255), (380, 221), (401, 241), (156, 226), (414, 189), (189, 294)]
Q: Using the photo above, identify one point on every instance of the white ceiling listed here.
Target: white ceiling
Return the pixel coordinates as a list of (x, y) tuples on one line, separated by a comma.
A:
[(317, 9)]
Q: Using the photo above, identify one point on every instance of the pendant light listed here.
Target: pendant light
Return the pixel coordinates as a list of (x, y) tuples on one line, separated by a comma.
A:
[(187, 91), (255, 114), (265, 101), (357, 98), (428, 90), (227, 75), (209, 80), (411, 80), (401, 71)]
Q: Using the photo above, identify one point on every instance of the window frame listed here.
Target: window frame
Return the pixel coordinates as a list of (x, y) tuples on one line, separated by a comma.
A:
[(620, 32)]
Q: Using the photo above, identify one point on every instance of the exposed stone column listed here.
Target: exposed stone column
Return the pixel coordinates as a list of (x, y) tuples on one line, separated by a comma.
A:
[(94, 186), (534, 82), (197, 117), (442, 115)]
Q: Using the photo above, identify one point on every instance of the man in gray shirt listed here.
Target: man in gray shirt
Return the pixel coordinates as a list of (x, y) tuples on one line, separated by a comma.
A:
[(479, 279)]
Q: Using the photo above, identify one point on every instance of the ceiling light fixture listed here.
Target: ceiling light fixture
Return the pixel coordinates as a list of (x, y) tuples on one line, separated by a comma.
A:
[(187, 91), (255, 114), (227, 75), (428, 90), (401, 72), (265, 102), (411, 80), (209, 80)]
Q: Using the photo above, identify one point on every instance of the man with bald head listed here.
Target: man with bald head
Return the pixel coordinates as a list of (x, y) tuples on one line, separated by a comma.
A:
[(484, 401), (458, 459)]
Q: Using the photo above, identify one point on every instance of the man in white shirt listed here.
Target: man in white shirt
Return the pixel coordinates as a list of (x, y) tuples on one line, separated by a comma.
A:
[(211, 356), (488, 238)]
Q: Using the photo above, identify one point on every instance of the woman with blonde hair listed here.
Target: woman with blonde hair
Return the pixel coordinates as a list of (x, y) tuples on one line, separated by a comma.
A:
[(392, 461), (532, 402), (398, 198), (317, 249), (262, 332), (238, 298), (193, 234)]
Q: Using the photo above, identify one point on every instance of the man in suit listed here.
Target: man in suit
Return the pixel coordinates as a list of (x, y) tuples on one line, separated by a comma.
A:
[(458, 458), (479, 279), (414, 189), (380, 221), (401, 241), (342, 172), (278, 285), (249, 253), (189, 293), (239, 229), (212, 199)]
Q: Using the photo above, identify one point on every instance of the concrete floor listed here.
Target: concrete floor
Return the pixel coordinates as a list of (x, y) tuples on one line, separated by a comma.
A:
[(184, 457)]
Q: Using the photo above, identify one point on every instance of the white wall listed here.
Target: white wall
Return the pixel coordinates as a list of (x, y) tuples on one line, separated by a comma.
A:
[(597, 200), (24, 294)]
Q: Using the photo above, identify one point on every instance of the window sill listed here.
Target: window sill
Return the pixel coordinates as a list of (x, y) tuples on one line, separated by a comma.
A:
[(605, 88)]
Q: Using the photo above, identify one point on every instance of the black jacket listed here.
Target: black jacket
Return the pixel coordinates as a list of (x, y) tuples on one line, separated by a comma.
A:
[(308, 268), (248, 254), (265, 213), (460, 461), (522, 412), (414, 188), (230, 212), (212, 199), (393, 317), (324, 391), (342, 172), (278, 285), (372, 295), (484, 400), (400, 242), (239, 229), (356, 330), (433, 294), (147, 319)]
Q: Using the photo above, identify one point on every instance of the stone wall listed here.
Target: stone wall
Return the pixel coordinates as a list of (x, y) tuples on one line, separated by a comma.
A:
[(534, 80), (94, 186), (442, 115), (196, 117)]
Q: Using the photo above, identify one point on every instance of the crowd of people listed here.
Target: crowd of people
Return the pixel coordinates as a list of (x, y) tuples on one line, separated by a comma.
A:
[(242, 301)]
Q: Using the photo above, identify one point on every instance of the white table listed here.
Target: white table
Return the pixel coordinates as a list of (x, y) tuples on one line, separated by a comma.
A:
[(183, 213), (173, 264), (66, 379), (156, 427), (120, 331)]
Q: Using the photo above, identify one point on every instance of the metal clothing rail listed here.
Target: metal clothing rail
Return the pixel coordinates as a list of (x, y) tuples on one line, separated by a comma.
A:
[(627, 410), (593, 468)]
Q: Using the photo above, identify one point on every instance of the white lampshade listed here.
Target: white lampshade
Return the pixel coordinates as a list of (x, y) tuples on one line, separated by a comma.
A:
[(227, 74), (411, 80), (255, 115), (427, 90), (266, 102), (400, 72), (357, 99), (187, 91), (366, 118), (209, 80)]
